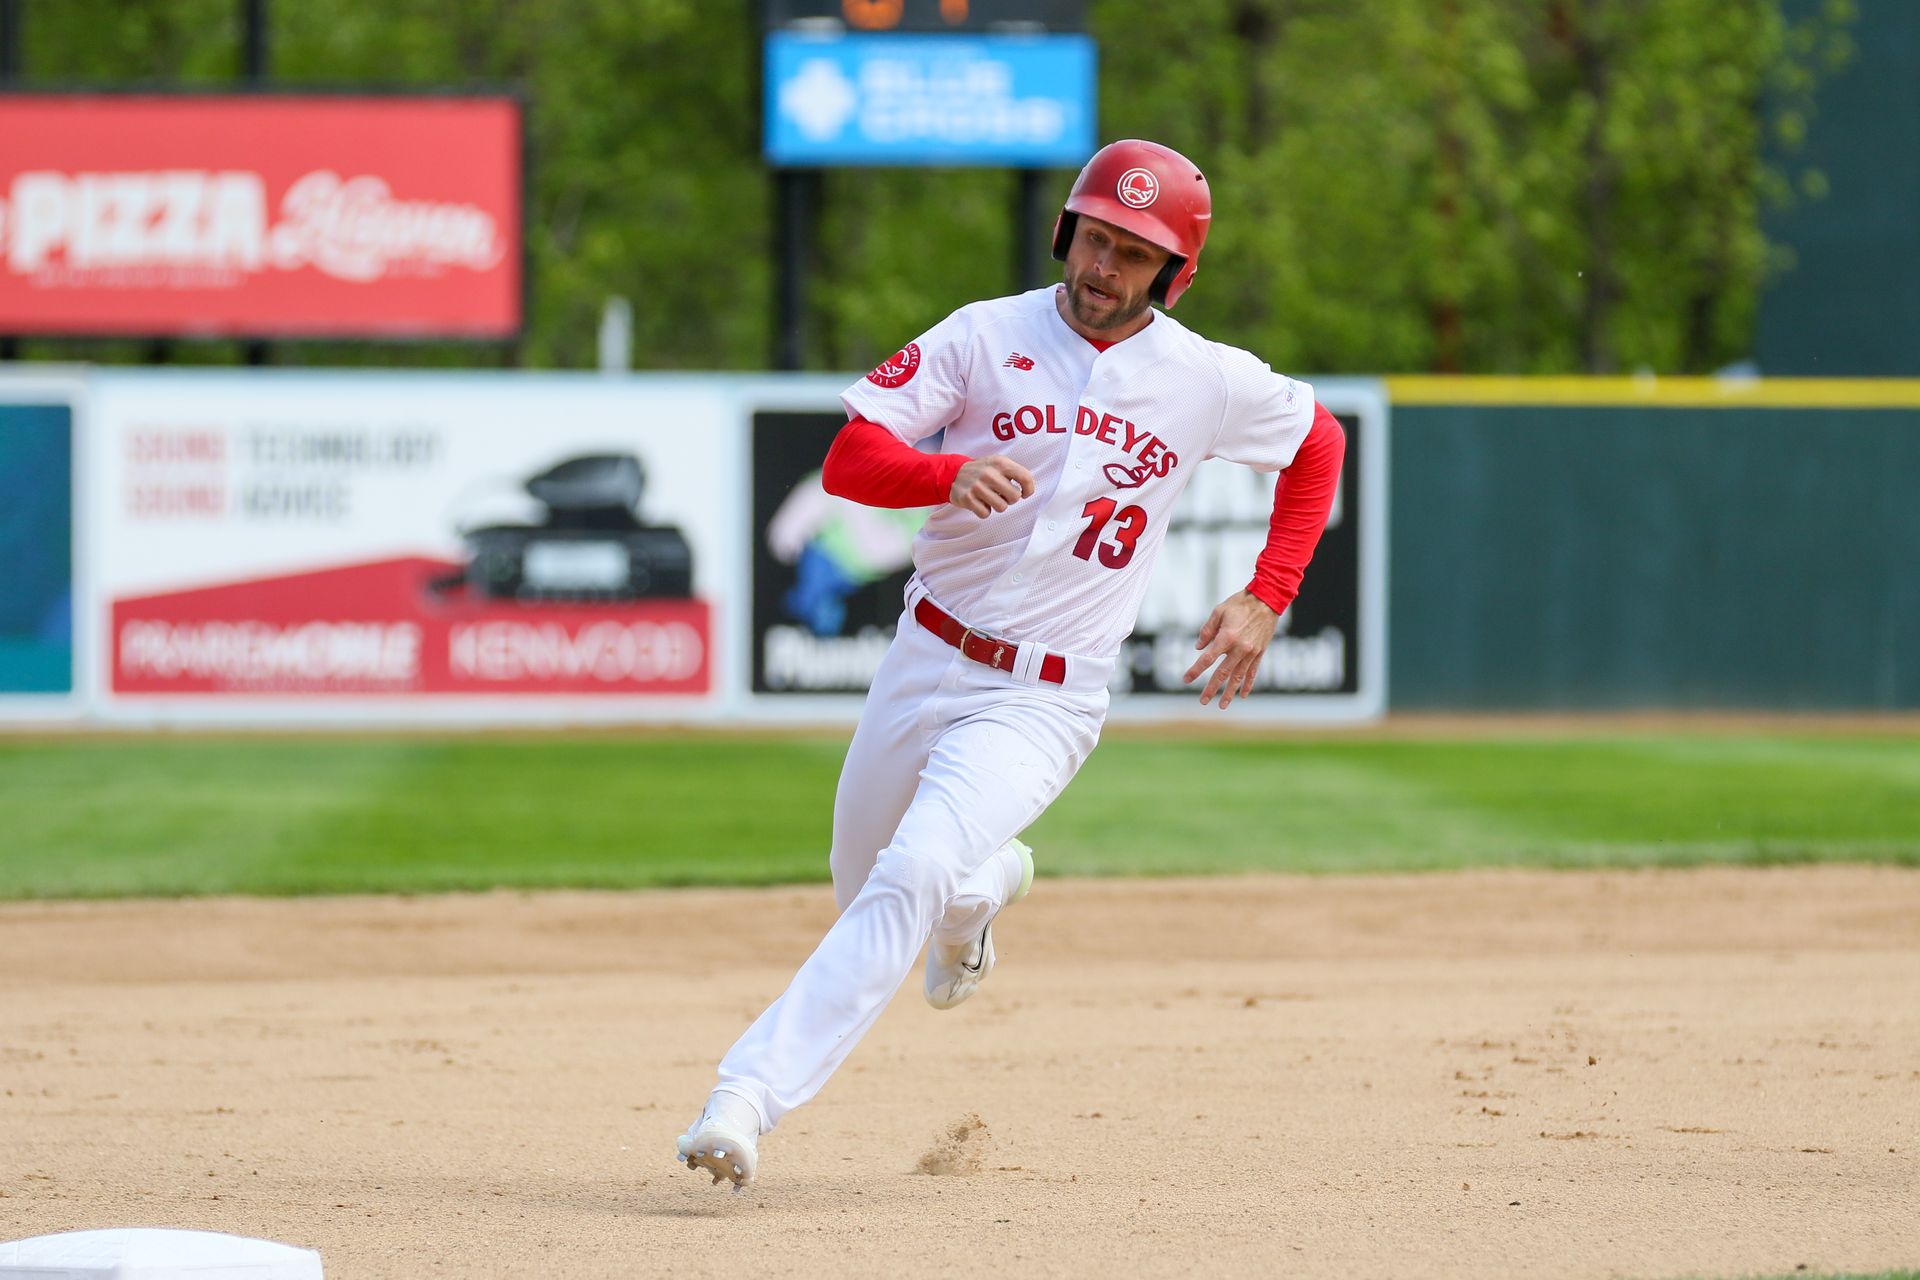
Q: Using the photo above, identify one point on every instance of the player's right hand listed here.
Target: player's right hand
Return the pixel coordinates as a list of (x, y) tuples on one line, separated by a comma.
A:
[(987, 485)]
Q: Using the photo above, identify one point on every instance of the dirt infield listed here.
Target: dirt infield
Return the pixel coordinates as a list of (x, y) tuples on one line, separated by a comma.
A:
[(1492, 1074)]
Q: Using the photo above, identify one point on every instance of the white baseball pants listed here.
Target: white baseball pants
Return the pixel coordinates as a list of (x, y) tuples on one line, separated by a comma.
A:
[(952, 759)]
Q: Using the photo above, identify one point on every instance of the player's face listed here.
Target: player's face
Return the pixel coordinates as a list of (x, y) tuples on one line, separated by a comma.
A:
[(1109, 271)]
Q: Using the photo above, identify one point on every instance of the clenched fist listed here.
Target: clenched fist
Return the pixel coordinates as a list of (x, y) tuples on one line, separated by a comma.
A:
[(987, 485)]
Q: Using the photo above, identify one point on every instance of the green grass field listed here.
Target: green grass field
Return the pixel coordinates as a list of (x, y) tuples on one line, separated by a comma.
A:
[(179, 814)]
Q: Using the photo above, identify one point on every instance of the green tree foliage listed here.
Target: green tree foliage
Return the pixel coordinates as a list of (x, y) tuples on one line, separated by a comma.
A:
[(1475, 185), (1401, 185)]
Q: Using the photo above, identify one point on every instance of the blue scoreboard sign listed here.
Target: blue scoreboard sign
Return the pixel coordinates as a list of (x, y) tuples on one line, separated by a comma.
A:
[(1001, 100)]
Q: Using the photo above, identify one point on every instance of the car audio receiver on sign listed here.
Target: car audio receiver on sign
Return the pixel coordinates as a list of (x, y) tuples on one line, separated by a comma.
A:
[(591, 548)]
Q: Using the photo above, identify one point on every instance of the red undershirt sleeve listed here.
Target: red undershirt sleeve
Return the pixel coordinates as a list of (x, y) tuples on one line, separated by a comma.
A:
[(870, 465), (1302, 497)]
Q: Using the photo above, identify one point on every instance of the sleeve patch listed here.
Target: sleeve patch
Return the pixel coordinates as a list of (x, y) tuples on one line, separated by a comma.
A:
[(899, 370)]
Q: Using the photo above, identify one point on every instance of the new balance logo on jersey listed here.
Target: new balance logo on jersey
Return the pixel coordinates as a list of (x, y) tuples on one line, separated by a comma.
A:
[(1018, 361)]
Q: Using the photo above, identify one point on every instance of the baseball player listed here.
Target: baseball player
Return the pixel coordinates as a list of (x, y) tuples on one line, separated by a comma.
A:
[(1076, 414)]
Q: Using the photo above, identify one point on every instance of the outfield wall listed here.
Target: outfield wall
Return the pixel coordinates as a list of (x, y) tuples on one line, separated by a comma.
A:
[(295, 547), (1682, 543), (298, 547)]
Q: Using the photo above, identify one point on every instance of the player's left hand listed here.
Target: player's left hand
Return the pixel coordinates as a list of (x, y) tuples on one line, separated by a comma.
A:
[(1237, 633)]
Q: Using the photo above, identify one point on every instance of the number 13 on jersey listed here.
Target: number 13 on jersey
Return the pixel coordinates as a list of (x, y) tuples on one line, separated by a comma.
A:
[(1128, 526)]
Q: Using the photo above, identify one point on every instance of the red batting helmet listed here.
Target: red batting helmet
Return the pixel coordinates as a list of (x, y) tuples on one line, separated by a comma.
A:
[(1152, 191)]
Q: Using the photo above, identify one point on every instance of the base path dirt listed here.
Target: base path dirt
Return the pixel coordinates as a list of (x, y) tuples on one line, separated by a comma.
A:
[(1655, 1074)]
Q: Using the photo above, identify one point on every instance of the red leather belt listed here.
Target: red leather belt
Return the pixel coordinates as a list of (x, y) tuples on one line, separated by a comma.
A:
[(971, 644)]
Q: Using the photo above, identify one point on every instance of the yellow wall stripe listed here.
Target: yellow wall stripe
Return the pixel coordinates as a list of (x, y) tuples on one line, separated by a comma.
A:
[(1708, 393)]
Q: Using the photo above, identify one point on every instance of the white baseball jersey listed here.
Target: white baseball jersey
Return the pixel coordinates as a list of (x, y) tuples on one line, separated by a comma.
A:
[(1111, 438)]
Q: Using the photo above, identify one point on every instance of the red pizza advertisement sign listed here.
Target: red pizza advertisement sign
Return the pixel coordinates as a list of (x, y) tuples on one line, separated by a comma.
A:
[(260, 216)]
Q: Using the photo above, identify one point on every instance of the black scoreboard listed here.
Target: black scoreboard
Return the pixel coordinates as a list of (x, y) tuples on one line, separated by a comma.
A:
[(922, 16)]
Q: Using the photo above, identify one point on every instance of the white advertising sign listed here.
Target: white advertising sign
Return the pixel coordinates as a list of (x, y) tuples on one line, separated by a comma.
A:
[(287, 545)]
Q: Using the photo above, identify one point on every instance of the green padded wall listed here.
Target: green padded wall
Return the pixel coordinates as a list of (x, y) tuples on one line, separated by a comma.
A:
[(1598, 557)]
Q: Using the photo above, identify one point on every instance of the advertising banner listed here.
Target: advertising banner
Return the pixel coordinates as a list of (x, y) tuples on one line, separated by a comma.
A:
[(36, 545), (827, 572), (1216, 534), (260, 216), (934, 100), (297, 539), (828, 576)]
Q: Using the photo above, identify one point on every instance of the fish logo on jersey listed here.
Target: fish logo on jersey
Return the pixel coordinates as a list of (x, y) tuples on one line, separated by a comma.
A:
[(1138, 188), (899, 370), (1121, 476)]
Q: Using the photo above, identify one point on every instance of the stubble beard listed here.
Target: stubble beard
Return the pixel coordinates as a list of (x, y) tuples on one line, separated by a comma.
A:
[(1119, 314)]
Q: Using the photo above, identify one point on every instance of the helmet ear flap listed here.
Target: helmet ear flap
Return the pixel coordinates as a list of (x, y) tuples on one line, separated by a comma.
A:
[(1157, 291), (1063, 234)]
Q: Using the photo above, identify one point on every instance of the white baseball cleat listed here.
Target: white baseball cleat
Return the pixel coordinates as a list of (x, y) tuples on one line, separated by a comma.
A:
[(954, 972), (724, 1141)]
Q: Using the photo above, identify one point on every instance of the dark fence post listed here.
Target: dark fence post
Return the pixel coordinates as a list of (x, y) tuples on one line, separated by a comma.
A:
[(253, 73)]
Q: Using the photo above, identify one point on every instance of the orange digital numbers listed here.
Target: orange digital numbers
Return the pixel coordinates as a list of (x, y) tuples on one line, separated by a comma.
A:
[(873, 15), (884, 15)]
